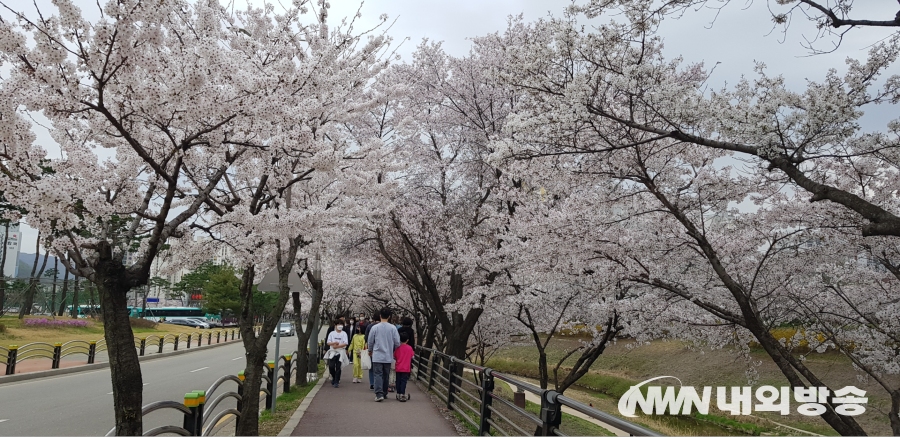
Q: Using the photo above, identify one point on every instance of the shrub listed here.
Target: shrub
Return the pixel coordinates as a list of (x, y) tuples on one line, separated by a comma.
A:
[(59, 323), (2, 328), (143, 323)]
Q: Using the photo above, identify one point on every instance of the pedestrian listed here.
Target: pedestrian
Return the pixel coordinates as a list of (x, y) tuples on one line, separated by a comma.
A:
[(383, 340), (336, 357), (403, 357), (351, 328), (357, 348), (375, 321), (406, 326)]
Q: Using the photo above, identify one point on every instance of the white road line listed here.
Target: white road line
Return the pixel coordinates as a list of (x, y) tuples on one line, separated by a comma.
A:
[(197, 370), (3, 420), (238, 358)]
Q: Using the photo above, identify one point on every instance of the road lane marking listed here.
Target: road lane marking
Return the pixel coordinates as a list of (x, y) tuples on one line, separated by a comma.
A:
[(3, 420), (238, 358), (197, 370)]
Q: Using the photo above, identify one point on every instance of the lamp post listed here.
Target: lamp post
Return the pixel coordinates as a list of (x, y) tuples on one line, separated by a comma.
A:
[(315, 270)]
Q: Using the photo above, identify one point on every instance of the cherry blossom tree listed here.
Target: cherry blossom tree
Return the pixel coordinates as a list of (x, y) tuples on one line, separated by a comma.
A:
[(163, 92), (440, 235), (668, 206)]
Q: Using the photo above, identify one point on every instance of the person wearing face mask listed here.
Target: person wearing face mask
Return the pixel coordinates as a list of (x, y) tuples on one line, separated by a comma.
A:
[(336, 357), (350, 329)]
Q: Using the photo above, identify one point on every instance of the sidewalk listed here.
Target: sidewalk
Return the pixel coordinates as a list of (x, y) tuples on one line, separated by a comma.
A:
[(352, 410)]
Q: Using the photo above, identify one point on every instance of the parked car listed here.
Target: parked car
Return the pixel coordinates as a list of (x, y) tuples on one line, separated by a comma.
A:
[(189, 322), (287, 329), (211, 323)]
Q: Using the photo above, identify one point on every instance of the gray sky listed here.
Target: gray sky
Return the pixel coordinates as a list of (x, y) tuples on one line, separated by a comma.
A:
[(740, 36)]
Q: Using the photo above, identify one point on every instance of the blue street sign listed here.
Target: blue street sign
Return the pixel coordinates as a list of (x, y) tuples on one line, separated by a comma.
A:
[(152, 300)]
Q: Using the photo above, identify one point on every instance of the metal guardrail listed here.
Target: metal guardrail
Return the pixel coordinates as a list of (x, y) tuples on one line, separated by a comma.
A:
[(196, 423), (13, 354), (487, 411)]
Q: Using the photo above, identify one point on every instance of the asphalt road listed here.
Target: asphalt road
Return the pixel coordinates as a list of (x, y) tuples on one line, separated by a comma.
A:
[(82, 404)]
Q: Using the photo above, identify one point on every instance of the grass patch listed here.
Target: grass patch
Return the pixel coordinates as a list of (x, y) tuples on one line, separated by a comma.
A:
[(285, 407), (628, 362), (16, 332)]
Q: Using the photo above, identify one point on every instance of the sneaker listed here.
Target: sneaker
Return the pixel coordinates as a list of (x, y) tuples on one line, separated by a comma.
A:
[(379, 398), (402, 398), (371, 387)]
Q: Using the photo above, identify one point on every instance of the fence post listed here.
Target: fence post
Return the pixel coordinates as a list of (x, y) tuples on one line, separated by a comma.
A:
[(209, 338), (487, 387), (143, 345), (176, 341), (162, 341), (57, 354), (219, 337), (199, 339), (188, 342), (451, 373), (431, 370), (287, 373), (270, 365), (92, 352), (240, 402), (192, 401), (232, 334), (11, 359), (201, 399), (551, 412)]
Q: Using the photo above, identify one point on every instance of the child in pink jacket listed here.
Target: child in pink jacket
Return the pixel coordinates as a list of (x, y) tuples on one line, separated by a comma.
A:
[(403, 356)]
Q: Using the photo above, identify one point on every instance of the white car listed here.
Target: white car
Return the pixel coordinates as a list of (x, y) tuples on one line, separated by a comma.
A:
[(287, 329)]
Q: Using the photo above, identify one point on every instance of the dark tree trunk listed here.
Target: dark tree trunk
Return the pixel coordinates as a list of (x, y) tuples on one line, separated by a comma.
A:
[(75, 298), (303, 337), (124, 366), (255, 349), (63, 295), (93, 303), (28, 300), (53, 292)]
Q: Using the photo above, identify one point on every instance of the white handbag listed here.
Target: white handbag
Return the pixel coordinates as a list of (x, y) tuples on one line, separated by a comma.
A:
[(365, 359)]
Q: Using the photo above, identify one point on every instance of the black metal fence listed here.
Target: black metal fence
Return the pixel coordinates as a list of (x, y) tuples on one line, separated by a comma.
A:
[(201, 418), (478, 404), (13, 354)]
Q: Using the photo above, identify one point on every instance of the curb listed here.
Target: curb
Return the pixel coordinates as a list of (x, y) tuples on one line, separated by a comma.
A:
[(85, 367), (301, 410)]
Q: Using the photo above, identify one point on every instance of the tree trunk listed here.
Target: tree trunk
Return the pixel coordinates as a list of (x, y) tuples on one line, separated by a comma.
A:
[(124, 366), (63, 295), (93, 304), (53, 292), (28, 300), (75, 298), (255, 349)]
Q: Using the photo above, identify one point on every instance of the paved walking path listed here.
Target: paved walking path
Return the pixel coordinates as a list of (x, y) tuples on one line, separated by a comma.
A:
[(351, 410)]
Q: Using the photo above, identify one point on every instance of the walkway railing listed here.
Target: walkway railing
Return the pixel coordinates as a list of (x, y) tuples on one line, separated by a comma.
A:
[(12, 355), (199, 419), (487, 411)]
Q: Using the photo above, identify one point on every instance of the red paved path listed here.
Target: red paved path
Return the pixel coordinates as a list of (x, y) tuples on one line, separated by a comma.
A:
[(352, 410)]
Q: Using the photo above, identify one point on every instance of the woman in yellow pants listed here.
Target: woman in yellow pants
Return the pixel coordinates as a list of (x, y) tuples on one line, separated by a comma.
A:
[(357, 347)]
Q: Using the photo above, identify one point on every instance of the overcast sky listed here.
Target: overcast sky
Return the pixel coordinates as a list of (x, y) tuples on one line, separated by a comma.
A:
[(741, 35)]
